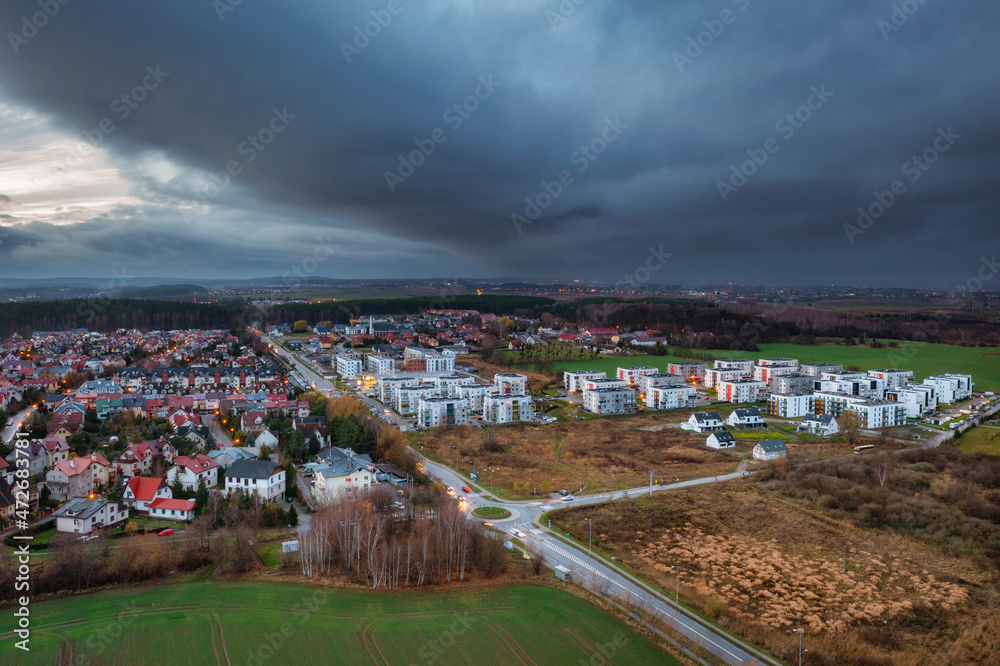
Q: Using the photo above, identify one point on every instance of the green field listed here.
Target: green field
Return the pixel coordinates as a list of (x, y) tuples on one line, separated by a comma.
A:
[(981, 440), (983, 363), (257, 623)]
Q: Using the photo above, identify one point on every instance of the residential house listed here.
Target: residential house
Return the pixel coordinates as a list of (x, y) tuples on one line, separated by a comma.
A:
[(192, 470), (78, 477), (819, 424), (341, 472), (141, 490), (770, 449), (722, 439), (704, 422), (172, 509), (749, 417), (83, 516), (264, 477)]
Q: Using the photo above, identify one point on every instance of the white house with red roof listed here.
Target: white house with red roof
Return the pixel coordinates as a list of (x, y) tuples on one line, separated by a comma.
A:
[(191, 470), (253, 421), (172, 509), (141, 490)]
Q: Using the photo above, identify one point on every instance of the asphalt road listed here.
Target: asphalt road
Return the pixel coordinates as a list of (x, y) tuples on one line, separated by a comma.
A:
[(593, 572), (15, 422)]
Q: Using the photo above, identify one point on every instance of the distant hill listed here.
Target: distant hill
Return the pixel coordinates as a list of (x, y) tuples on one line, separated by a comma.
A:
[(164, 291)]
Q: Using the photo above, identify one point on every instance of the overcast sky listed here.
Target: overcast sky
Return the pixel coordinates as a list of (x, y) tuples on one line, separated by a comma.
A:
[(643, 109)]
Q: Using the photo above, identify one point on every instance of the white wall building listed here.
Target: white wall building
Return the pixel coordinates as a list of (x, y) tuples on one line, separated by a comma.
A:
[(646, 383), (507, 408), (436, 412), (893, 378), (742, 390), (83, 516), (606, 401), (670, 397), (918, 399), (692, 371), (510, 383), (766, 373), (264, 477), (380, 364), (876, 414), (790, 406), (631, 375), (598, 383), (408, 397), (816, 369), (835, 404), (449, 385), (715, 375), (573, 379), (951, 387), (474, 395), (349, 366), (746, 365)]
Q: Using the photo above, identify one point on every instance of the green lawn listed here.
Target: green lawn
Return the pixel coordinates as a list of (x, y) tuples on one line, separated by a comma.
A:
[(203, 622), (981, 440), (983, 363), (491, 512)]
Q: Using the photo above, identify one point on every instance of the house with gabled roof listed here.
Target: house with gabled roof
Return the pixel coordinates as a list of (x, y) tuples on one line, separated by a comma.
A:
[(770, 449), (819, 424), (141, 490), (192, 470), (746, 417), (722, 439), (704, 422)]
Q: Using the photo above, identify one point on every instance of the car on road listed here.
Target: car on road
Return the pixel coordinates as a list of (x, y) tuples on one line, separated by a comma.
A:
[(451, 491), (467, 489), (487, 524), (461, 499), (167, 532), (567, 498)]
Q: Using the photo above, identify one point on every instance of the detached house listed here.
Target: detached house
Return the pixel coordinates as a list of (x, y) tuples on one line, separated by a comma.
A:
[(749, 417), (172, 509), (264, 477), (770, 449), (141, 490), (192, 470), (721, 440), (704, 422), (83, 516), (78, 477), (819, 424)]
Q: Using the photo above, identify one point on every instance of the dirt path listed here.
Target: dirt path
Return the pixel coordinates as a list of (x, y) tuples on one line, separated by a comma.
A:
[(215, 650), (361, 637), (370, 631), (225, 651), (596, 657)]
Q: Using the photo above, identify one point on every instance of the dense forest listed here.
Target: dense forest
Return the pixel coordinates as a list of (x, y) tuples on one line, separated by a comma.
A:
[(341, 311), (107, 314)]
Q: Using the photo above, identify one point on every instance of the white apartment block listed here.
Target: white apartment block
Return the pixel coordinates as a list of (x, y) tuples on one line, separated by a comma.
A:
[(597, 383), (857, 385), (387, 387), (670, 397), (609, 401), (692, 371), (746, 365), (817, 369), (790, 406), (435, 412), (835, 404), (951, 387), (349, 366), (408, 397), (893, 378), (439, 363), (379, 364), (876, 414), (449, 384), (507, 408), (647, 383), (742, 390), (778, 362), (573, 379), (795, 383), (475, 394), (918, 399), (715, 375), (510, 383), (631, 375), (766, 373)]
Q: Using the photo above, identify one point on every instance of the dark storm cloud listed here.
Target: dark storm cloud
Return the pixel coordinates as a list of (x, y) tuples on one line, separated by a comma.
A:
[(693, 104)]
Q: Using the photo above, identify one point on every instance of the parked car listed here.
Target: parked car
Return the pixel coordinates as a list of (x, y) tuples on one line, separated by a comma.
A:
[(564, 492), (167, 532), (567, 498)]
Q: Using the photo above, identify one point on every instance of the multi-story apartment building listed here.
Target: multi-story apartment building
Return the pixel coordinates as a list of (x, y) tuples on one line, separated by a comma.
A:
[(742, 390), (592, 384), (817, 369), (474, 394), (876, 414), (379, 364), (918, 399), (790, 406), (631, 375), (670, 397), (692, 371), (743, 364), (435, 412), (449, 385), (646, 383), (951, 387), (609, 401), (835, 404), (408, 397), (795, 383), (573, 379), (387, 387), (766, 373), (507, 408), (715, 375), (510, 383), (349, 366), (893, 378)]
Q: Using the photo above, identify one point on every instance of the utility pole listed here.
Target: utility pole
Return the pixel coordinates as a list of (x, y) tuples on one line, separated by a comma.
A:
[(590, 541), (650, 483), (845, 557)]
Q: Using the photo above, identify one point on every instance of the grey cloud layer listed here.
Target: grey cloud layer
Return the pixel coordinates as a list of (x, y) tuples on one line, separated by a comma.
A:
[(656, 183)]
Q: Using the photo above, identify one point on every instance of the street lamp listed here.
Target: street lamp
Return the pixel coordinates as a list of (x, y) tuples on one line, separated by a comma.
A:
[(590, 541), (677, 587), (801, 651)]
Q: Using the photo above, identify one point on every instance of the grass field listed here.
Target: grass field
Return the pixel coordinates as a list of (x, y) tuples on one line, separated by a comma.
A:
[(983, 363), (981, 440), (256, 623)]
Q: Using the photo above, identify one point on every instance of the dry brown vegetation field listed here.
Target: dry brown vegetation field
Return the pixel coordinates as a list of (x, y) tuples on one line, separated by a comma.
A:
[(605, 455), (766, 555)]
